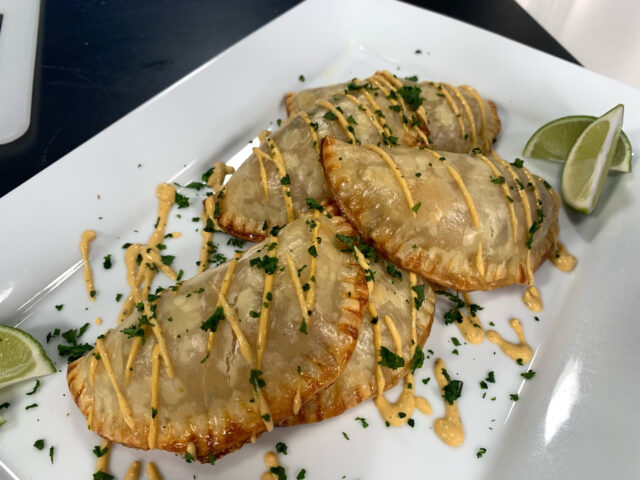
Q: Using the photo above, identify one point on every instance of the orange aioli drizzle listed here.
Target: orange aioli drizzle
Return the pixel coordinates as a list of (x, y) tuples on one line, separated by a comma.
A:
[(265, 310), (152, 472), (271, 459), (278, 160), (370, 116), (218, 174), (377, 80), (155, 379), (468, 112), (371, 101), (515, 351), (133, 472), (470, 326), (505, 190), (102, 464), (473, 213), (226, 282), (562, 259), (312, 131), (207, 236), (454, 108), (260, 155), (311, 293), (341, 120), (395, 170), (448, 428), (483, 115), (86, 238), (127, 414)]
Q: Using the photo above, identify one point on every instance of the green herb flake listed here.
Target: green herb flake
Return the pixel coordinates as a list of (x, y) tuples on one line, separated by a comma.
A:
[(389, 359), (514, 396), (256, 380), (281, 447), (99, 452), (452, 390), (301, 474), (498, 181), (51, 452), (518, 163), (279, 472), (35, 388), (59, 307), (345, 435), (312, 251), (416, 207), (528, 375), (481, 451), (266, 263), (211, 324), (188, 457), (455, 341), (39, 444), (330, 115), (301, 78), (286, 180), (417, 360), (411, 96), (363, 421), (181, 201)]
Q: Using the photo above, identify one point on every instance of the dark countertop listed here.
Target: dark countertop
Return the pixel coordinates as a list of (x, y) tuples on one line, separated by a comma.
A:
[(99, 59)]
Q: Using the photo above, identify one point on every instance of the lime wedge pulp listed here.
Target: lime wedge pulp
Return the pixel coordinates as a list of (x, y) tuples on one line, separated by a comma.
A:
[(554, 140), (21, 357), (589, 161)]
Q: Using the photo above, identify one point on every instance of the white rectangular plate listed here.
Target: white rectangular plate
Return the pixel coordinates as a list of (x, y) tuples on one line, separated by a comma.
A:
[(578, 418)]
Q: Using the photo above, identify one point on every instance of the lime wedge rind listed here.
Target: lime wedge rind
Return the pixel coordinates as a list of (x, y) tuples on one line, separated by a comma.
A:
[(553, 141), (19, 344), (589, 161)]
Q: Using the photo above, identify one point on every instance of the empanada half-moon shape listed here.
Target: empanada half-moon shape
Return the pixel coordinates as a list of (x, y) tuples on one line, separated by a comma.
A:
[(458, 119), (465, 221), (272, 186), (222, 399), (392, 297)]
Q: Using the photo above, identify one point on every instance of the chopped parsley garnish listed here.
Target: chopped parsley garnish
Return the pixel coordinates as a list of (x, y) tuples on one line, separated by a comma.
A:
[(452, 390), (483, 385), (212, 459), (412, 78), (286, 180), (395, 108), (481, 451), (419, 298), (389, 139), (473, 309), (279, 472), (362, 421), (235, 242), (528, 375), (182, 201), (455, 341), (411, 96), (99, 452), (417, 360), (59, 307), (314, 205), (498, 181), (53, 334), (254, 314), (301, 474), (167, 259), (39, 444), (118, 297), (389, 359), (535, 226), (330, 115), (391, 270), (312, 251), (74, 350), (188, 457), (266, 263), (281, 447), (154, 412), (426, 380), (416, 207), (266, 417), (491, 377), (100, 475), (107, 264), (51, 452), (275, 230), (453, 315), (344, 434), (514, 396), (196, 185), (126, 245), (301, 78), (518, 163), (211, 324), (256, 380), (350, 119), (35, 388)]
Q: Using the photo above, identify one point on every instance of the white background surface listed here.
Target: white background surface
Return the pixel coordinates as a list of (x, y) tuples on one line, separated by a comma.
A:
[(578, 418), (603, 35)]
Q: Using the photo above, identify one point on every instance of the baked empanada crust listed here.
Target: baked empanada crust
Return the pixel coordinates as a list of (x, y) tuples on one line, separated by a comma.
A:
[(441, 241), (391, 296), (210, 400), (250, 203)]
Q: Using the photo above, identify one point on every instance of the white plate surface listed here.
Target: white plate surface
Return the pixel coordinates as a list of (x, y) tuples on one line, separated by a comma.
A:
[(577, 418)]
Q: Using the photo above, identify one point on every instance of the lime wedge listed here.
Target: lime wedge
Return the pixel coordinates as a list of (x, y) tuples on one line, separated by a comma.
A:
[(21, 357), (589, 161), (554, 140)]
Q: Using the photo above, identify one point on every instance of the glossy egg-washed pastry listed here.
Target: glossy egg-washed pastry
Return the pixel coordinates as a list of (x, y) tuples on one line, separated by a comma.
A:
[(392, 298), (465, 221), (271, 187), (286, 317)]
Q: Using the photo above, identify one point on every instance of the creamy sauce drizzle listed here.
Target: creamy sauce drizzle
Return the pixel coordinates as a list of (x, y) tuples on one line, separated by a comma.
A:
[(311, 293), (562, 259), (133, 472), (226, 282), (532, 298), (271, 459), (266, 306), (86, 238), (454, 108), (298, 288), (98, 321), (467, 196), (468, 112), (396, 173), (483, 115), (312, 131), (449, 428), (514, 351), (102, 464), (480, 260), (376, 81), (127, 414), (505, 190), (207, 236), (260, 155), (232, 317), (370, 116), (341, 120), (278, 160), (152, 472), (218, 174), (155, 379), (470, 327)]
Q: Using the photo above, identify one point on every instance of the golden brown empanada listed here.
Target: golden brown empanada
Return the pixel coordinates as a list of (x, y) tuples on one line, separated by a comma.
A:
[(465, 221), (272, 186), (392, 297), (286, 317)]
